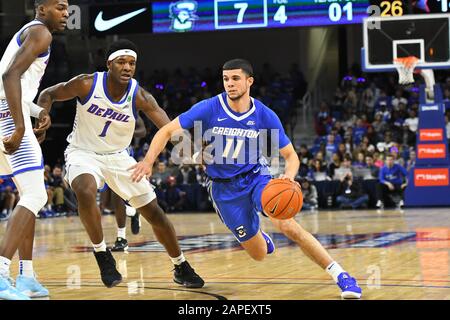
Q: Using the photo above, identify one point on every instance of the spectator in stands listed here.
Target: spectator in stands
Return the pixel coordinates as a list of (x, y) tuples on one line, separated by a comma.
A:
[(8, 198), (411, 124), (57, 185), (303, 169), (335, 131), (392, 182), (351, 193), (306, 155), (359, 131), (379, 125), (368, 100), (322, 119), (370, 164), (186, 175), (310, 196), (161, 173), (411, 163), (383, 102), (398, 98), (386, 143), (330, 148), (378, 159), (317, 170), (359, 161), (351, 100), (342, 150), (335, 164), (175, 198)]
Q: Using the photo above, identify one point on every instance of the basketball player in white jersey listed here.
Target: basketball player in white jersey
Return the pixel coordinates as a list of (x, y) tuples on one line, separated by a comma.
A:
[(21, 68), (107, 106)]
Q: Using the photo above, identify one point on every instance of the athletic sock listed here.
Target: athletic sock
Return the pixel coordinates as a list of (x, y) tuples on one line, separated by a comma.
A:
[(122, 232), (26, 268), (334, 270), (178, 260), (100, 247)]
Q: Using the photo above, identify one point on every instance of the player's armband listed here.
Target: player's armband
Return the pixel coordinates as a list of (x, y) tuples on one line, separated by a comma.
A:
[(35, 110)]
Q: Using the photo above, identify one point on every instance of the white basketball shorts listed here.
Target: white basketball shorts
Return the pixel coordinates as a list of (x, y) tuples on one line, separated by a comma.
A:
[(112, 170)]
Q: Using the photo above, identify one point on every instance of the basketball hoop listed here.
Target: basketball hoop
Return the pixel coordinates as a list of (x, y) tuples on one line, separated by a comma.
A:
[(405, 68)]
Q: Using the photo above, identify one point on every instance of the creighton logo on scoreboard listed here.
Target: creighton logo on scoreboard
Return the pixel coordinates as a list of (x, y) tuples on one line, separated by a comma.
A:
[(183, 15)]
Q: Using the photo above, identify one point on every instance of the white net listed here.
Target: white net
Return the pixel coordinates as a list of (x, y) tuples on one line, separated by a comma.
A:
[(405, 68)]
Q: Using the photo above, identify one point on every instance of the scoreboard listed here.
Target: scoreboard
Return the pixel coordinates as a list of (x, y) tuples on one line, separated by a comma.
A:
[(210, 15), (175, 16)]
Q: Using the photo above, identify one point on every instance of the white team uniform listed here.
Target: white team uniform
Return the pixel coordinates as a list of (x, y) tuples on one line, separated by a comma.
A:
[(102, 131), (29, 155)]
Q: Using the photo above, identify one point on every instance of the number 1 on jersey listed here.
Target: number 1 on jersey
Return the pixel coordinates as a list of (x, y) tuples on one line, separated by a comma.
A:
[(105, 128)]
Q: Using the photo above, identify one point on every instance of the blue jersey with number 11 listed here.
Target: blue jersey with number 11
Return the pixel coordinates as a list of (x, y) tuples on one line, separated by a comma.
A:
[(238, 138)]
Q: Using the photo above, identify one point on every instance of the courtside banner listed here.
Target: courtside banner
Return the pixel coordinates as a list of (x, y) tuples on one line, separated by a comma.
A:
[(431, 135), (431, 151), (431, 177)]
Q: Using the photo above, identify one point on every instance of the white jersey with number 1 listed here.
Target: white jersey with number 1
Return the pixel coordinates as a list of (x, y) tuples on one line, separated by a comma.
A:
[(102, 125)]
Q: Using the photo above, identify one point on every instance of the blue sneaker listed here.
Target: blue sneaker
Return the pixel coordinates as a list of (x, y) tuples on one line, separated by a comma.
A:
[(31, 287), (349, 286), (269, 241), (8, 292)]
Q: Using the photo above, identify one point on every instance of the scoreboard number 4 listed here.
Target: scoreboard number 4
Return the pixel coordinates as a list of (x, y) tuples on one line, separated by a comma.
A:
[(280, 16)]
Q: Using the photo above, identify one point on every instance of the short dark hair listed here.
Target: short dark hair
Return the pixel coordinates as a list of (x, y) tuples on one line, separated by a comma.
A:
[(121, 44), (37, 3), (239, 64)]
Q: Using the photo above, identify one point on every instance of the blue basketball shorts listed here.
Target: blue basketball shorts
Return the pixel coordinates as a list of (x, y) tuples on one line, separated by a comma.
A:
[(238, 203)]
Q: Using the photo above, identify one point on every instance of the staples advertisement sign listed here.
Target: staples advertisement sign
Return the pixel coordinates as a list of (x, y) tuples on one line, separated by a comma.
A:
[(431, 135), (431, 151), (436, 177)]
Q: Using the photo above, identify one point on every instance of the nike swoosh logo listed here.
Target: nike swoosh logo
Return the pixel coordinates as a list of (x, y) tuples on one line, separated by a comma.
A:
[(221, 119), (275, 206), (103, 25)]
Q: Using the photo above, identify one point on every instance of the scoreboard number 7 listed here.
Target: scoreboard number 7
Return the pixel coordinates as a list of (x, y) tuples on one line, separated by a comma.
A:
[(242, 6)]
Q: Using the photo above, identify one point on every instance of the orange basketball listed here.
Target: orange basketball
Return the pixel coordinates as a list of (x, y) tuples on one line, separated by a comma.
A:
[(281, 199)]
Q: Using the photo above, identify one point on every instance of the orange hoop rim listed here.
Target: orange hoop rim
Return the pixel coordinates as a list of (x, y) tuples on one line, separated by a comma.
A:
[(408, 62)]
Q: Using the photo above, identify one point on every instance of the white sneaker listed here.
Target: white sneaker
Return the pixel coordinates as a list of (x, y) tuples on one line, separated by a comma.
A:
[(401, 204), (380, 204), (9, 292)]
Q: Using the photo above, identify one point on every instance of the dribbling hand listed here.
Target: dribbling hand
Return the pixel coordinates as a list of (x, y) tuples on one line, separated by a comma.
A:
[(140, 170), (285, 177)]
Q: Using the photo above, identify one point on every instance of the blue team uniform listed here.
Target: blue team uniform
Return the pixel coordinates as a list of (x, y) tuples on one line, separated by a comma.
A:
[(239, 172)]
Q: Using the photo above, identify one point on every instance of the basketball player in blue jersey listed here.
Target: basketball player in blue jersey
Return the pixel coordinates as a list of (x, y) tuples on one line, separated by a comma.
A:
[(238, 171), (22, 67), (107, 107)]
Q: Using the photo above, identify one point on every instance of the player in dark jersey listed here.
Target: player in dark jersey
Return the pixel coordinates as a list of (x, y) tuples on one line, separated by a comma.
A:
[(232, 122)]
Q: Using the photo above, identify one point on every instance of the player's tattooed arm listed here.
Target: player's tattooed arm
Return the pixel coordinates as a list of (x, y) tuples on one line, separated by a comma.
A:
[(79, 86), (147, 104)]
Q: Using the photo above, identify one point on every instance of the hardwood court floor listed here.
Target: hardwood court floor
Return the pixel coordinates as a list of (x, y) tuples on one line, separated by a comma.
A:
[(393, 255)]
